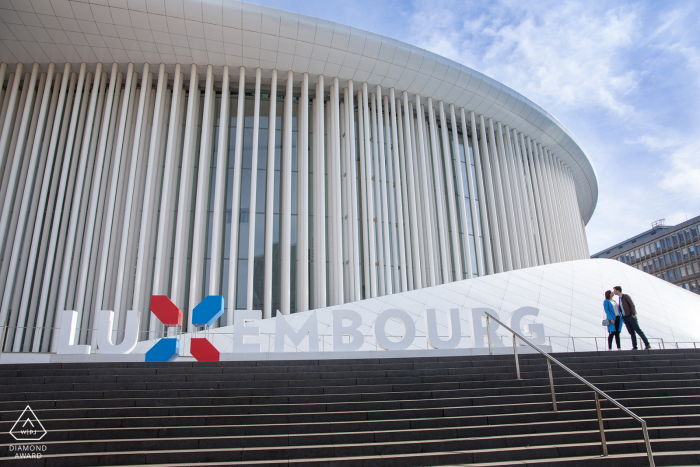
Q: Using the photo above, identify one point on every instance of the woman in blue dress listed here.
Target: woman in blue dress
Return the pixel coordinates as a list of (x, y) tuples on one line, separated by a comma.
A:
[(612, 312)]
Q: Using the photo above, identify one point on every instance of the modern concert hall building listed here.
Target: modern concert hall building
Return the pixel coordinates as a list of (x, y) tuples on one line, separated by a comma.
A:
[(284, 162)]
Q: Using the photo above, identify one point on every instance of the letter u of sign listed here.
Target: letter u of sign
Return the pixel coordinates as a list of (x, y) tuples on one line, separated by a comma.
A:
[(204, 315)]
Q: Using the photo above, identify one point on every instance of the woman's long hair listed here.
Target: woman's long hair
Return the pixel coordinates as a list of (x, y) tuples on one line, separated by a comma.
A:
[(608, 294)]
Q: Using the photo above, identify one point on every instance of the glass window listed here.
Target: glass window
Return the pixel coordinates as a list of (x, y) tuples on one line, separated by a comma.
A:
[(675, 240), (656, 263), (667, 260), (694, 231), (673, 257), (686, 286), (685, 253), (676, 274), (694, 287), (653, 248), (678, 255), (665, 277), (696, 268), (645, 269), (692, 250), (646, 250), (663, 243), (683, 273), (687, 234)]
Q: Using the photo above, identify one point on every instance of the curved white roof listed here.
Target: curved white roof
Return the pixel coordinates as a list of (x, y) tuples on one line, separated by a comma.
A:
[(241, 34)]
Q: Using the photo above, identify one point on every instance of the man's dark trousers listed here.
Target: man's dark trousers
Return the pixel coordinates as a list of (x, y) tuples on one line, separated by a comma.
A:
[(633, 328)]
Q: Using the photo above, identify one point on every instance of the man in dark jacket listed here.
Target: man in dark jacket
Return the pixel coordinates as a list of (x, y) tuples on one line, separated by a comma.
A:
[(629, 316)]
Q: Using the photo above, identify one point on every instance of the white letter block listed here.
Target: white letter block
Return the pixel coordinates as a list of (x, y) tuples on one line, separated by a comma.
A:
[(453, 325), (479, 329), (380, 331), (241, 331), (533, 328), (104, 333), (310, 327), (66, 335), (356, 337)]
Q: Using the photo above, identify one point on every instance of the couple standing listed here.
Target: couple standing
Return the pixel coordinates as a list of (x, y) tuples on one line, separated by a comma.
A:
[(616, 313)]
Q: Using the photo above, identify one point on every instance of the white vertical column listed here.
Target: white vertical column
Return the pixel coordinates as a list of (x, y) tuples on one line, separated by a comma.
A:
[(567, 228), (516, 198), (524, 200), (572, 207), (556, 208), (148, 194), (556, 235), (374, 157), (162, 264), (354, 238), (182, 227), (17, 157), (533, 197), (269, 197), (449, 175), (75, 208), (437, 193), (319, 243), (368, 195), (9, 116), (55, 227), (94, 193), (399, 188), (217, 229), (129, 88), (286, 208), (544, 200), (576, 215), (408, 242), (199, 237), (462, 202), (303, 199), (485, 256), (500, 202), (58, 124), (14, 242), (540, 205), (573, 211), (427, 208), (335, 209), (139, 134), (236, 199), (253, 191), (419, 195), (381, 185), (412, 194), (491, 229), (391, 187)]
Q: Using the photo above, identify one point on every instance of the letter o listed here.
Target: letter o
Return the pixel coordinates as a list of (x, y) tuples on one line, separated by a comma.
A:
[(380, 331)]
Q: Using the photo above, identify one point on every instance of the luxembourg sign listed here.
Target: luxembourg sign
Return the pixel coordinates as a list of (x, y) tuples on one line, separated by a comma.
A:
[(246, 325)]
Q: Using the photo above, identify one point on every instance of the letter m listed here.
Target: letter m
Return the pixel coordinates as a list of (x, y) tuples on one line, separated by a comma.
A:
[(282, 327)]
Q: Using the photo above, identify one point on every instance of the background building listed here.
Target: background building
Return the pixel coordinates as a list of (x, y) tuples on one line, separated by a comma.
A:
[(670, 253), (160, 150)]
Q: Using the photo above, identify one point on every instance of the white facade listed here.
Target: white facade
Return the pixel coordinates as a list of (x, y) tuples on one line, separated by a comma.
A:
[(141, 154)]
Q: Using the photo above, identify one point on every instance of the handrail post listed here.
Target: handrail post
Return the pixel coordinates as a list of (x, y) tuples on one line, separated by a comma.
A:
[(600, 425), (648, 444), (551, 386), (488, 334), (515, 352)]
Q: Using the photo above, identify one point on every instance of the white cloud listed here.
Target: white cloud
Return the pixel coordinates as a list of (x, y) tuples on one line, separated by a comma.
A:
[(563, 54)]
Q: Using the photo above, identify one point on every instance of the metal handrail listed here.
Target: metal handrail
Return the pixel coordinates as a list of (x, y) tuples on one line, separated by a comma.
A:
[(575, 375)]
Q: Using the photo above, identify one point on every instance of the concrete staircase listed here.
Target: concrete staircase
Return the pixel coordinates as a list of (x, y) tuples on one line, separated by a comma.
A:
[(380, 412)]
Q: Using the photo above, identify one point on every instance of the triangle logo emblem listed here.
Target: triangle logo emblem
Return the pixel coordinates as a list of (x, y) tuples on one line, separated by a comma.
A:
[(28, 427)]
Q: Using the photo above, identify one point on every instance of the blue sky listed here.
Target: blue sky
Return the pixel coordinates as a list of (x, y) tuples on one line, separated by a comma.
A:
[(624, 77)]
